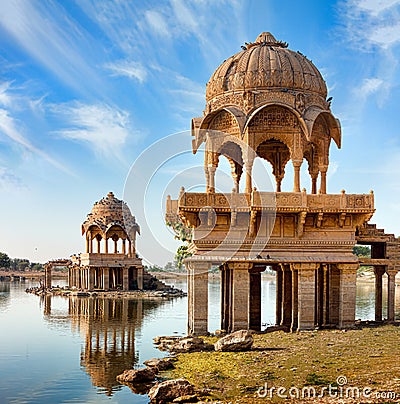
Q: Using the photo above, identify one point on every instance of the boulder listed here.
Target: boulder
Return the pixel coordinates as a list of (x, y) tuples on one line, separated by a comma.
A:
[(142, 375), (237, 341), (191, 344), (159, 364), (169, 390)]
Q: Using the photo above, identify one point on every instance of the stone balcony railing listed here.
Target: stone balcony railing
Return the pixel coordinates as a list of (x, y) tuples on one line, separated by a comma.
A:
[(282, 201)]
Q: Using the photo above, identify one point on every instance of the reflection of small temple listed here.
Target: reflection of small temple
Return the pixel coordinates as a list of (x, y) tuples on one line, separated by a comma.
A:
[(270, 103), (108, 326), (106, 266)]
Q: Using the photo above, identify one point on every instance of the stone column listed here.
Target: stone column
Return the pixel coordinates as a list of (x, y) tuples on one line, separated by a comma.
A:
[(47, 277), (106, 278), (249, 167), (240, 295), (279, 278), (226, 298), (287, 296), (139, 277), (255, 301), (198, 297), (124, 246), (391, 273), (379, 270), (347, 294), (211, 173), (325, 306), (106, 245), (314, 178), (125, 278), (323, 171), (295, 298), (306, 292), (296, 167), (91, 277)]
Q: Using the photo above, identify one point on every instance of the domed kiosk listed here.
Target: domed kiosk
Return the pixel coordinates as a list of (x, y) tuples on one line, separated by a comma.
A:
[(108, 267), (270, 102)]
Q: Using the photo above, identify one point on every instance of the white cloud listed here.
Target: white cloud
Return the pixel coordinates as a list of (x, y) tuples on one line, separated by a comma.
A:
[(371, 22), (157, 22), (375, 7), (130, 69), (9, 127), (44, 31), (104, 128), (369, 86)]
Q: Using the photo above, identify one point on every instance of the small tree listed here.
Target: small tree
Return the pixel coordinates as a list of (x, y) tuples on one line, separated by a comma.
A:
[(4, 260)]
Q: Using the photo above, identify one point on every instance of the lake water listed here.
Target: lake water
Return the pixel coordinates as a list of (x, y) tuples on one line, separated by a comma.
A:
[(69, 350)]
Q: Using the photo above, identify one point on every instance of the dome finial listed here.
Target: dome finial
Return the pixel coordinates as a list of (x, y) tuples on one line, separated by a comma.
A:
[(266, 38)]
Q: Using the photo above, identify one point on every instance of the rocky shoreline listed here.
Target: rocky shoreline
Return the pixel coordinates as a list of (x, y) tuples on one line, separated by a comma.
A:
[(67, 292)]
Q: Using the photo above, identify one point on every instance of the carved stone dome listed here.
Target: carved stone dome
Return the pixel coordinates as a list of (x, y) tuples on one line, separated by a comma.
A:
[(266, 64), (109, 212)]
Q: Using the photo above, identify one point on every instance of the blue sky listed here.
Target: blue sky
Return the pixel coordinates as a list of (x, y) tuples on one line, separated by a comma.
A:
[(86, 86)]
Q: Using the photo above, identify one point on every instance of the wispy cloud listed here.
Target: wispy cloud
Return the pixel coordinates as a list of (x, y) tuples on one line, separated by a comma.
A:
[(373, 25), (130, 69), (157, 22), (44, 30), (369, 86), (9, 126), (102, 127), (9, 181)]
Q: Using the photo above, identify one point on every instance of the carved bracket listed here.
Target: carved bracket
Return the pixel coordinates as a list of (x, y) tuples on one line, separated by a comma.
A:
[(300, 223), (320, 217), (342, 219)]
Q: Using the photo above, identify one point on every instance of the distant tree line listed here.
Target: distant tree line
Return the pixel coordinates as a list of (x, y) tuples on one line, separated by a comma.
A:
[(18, 264)]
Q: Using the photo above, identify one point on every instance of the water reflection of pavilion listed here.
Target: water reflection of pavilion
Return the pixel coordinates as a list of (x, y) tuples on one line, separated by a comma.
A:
[(108, 326)]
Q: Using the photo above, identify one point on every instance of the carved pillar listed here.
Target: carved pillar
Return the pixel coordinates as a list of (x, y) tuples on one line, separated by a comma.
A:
[(125, 278), (140, 277), (197, 297), (314, 178), (391, 272), (347, 294), (207, 176), (87, 243), (279, 278), (106, 278), (211, 173), (240, 295), (91, 278), (295, 298), (106, 245), (98, 239), (306, 293), (319, 296), (115, 239), (278, 180), (325, 306), (323, 171), (296, 167), (124, 246), (379, 270), (287, 296), (249, 167)]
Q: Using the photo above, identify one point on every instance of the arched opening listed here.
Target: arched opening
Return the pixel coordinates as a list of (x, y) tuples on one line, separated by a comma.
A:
[(277, 154), (233, 153)]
